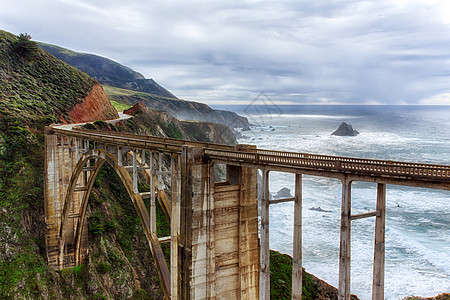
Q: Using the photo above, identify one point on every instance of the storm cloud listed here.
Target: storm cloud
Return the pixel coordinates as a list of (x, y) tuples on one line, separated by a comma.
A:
[(296, 52)]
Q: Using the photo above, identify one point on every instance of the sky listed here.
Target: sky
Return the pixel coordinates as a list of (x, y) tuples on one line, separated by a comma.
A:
[(229, 52)]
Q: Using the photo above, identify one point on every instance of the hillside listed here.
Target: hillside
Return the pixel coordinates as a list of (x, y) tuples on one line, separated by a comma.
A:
[(38, 88), (106, 71), (181, 109)]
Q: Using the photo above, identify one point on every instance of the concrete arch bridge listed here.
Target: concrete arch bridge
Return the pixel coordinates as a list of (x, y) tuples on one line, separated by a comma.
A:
[(219, 244)]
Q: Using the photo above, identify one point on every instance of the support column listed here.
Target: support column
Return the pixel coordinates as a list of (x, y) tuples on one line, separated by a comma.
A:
[(160, 179), (249, 253), (344, 248), (297, 271), (77, 150), (264, 277), (119, 156), (152, 195), (175, 225), (135, 175), (211, 292), (379, 250), (52, 207)]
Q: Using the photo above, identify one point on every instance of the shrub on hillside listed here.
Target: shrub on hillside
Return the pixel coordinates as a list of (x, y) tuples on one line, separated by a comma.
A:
[(25, 47)]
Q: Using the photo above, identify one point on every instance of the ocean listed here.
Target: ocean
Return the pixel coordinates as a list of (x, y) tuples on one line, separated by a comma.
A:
[(417, 219)]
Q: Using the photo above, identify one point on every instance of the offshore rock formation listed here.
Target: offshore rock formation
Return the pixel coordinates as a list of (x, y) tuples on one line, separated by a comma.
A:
[(345, 130), (159, 123), (284, 193)]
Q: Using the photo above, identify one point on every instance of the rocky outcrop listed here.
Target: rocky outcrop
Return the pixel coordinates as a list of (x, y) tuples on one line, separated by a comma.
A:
[(95, 106), (345, 130), (159, 123), (181, 109), (233, 120)]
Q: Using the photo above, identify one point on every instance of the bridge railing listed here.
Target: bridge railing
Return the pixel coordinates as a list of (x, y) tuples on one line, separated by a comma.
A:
[(336, 164), (153, 139), (287, 159)]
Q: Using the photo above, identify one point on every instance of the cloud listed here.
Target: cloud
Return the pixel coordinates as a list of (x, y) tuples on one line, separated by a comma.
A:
[(347, 51)]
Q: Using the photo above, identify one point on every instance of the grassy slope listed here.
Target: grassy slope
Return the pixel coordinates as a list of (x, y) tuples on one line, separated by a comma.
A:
[(37, 90)]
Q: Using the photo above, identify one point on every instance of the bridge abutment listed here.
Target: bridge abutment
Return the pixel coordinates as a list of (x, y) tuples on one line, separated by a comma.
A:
[(219, 234)]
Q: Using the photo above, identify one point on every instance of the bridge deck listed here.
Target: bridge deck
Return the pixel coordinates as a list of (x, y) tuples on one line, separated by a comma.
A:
[(374, 170)]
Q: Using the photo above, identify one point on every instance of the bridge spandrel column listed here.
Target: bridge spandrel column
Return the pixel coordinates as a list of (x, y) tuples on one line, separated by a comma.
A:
[(197, 217), (52, 191), (65, 161), (249, 250), (345, 246)]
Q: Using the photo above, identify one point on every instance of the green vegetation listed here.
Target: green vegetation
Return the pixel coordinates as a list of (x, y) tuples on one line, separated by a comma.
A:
[(110, 90), (173, 132), (25, 47), (281, 279), (120, 107), (36, 91)]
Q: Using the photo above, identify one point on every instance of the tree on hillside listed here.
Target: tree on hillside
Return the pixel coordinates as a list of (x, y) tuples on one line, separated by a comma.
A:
[(25, 47)]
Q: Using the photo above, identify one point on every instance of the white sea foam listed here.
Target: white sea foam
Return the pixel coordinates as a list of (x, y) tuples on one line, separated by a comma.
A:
[(439, 259)]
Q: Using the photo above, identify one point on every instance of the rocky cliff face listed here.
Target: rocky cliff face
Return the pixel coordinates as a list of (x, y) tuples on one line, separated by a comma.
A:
[(95, 106), (155, 96), (159, 123)]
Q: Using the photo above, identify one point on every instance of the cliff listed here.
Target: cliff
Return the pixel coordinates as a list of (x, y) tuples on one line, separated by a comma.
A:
[(95, 106), (180, 109), (148, 121), (36, 89)]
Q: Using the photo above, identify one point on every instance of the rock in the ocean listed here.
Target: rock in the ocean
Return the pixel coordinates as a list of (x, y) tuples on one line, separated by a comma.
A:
[(284, 193), (345, 130), (318, 208)]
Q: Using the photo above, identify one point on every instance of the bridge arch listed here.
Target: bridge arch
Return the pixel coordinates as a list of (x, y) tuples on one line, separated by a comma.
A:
[(101, 157)]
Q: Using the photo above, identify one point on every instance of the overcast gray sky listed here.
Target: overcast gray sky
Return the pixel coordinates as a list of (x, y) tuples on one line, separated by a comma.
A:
[(227, 52)]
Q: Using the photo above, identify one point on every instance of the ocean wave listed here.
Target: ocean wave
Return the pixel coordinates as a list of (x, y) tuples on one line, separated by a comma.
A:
[(305, 116), (439, 259)]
